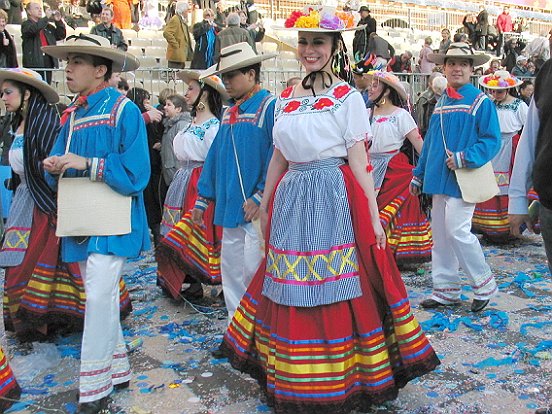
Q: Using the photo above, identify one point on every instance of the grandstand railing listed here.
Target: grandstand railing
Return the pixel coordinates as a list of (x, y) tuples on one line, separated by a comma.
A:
[(156, 79)]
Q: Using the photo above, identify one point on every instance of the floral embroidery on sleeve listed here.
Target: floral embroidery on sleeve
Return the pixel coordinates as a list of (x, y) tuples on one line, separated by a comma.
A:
[(286, 93), (292, 106), (340, 91)]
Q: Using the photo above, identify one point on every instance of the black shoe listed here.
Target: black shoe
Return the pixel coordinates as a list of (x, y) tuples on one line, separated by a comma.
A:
[(544, 410), (432, 304), (95, 407), (218, 353), (195, 291), (122, 386), (478, 305)]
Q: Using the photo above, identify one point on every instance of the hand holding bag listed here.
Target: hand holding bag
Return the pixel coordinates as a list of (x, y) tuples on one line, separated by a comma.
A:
[(476, 184), (90, 208)]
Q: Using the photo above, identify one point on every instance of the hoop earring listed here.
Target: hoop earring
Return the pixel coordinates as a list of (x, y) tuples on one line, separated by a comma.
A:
[(382, 101), (200, 106)]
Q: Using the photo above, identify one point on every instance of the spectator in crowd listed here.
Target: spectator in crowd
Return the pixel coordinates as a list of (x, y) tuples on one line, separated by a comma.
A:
[(512, 49), (380, 50), (109, 30), (360, 41), (38, 31), (14, 12), (493, 67), (75, 15), (177, 34), (503, 25), (205, 34), (425, 104), (424, 64), (538, 48), (521, 66), (115, 153), (469, 22), (171, 10), (472, 138), (8, 53), (401, 63), (255, 30), (482, 29), (177, 118), (220, 15), (154, 129), (531, 68), (121, 13), (232, 35), (460, 37), (251, 10), (445, 41), (526, 90)]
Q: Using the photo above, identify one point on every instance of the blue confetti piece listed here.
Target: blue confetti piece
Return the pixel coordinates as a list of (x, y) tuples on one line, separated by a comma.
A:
[(519, 371), (164, 318), (538, 325), (67, 383), (71, 407), (432, 394), (34, 391), (493, 362), (532, 406), (145, 390), (263, 408), (491, 376), (18, 406), (523, 397), (142, 384), (142, 377)]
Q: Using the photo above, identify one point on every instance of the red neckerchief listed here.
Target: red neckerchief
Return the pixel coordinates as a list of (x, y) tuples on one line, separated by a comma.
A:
[(453, 93), (81, 101), (234, 111)]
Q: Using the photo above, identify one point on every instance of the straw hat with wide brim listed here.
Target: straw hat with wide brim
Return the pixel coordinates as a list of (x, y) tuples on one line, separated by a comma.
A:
[(389, 79), (501, 79), (320, 19), (89, 44), (31, 78), (459, 50), (234, 57), (213, 81)]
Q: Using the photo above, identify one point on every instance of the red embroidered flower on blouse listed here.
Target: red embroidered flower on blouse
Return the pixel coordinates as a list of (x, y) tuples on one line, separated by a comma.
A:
[(322, 103), (286, 93), (341, 91), (382, 119), (292, 106)]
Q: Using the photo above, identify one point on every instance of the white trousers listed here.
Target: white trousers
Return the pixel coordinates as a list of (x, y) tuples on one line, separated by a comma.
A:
[(455, 245), (104, 361), (240, 257)]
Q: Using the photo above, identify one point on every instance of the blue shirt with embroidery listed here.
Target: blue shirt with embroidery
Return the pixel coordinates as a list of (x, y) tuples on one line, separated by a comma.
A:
[(110, 127), (470, 126), (252, 135)]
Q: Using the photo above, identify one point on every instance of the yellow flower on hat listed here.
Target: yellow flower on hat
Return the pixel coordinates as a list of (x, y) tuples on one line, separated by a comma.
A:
[(310, 21)]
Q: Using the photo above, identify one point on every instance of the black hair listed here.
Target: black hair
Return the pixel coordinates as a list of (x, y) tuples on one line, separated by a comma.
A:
[(256, 67), (18, 115), (393, 96), (214, 100), (123, 84), (98, 61), (138, 95), (525, 84)]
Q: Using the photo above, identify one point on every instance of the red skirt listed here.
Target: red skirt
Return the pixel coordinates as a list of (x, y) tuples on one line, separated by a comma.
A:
[(491, 219), (407, 227), (188, 250), (339, 357), (43, 290), (8, 384)]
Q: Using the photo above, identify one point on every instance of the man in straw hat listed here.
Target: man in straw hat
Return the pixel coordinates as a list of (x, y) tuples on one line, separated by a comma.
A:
[(108, 144), (464, 120), (234, 172)]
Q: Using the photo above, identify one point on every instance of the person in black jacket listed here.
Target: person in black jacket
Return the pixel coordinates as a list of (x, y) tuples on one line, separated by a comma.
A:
[(205, 34), (482, 29), (8, 54), (14, 13), (108, 30), (360, 42), (38, 31)]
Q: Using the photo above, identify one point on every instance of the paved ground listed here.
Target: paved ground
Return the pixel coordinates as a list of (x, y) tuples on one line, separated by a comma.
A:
[(499, 362)]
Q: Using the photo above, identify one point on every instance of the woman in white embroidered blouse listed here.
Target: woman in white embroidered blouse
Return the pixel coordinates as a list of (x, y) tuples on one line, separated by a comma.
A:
[(491, 217), (326, 255), (179, 257)]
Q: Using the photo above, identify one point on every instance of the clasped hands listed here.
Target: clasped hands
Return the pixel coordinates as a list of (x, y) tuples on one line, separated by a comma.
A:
[(58, 164)]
